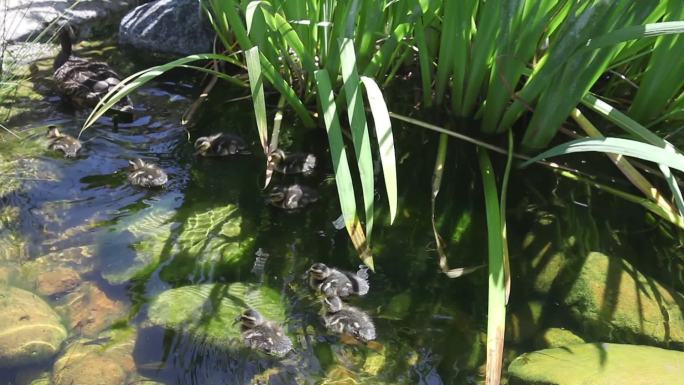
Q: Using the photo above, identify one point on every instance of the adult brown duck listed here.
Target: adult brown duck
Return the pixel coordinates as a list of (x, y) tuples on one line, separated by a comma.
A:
[(84, 82)]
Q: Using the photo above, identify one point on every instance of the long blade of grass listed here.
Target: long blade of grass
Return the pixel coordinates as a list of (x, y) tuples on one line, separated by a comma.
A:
[(504, 234), (256, 85), (636, 32), (359, 128), (343, 178), (496, 305), (383, 132), (424, 60), (615, 146), (634, 128)]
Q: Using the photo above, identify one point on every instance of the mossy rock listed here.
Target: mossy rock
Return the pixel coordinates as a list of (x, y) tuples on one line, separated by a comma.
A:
[(612, 300), (209, 240), (598, 364), (135, 245), (30, 331), (557, 337), (208, 311), (524, 321)]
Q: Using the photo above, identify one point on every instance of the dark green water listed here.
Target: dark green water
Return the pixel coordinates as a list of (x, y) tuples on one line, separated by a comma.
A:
[(431, 328)]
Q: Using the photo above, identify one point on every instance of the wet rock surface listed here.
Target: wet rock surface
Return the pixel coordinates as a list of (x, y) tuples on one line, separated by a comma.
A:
[(598, 364), (86, 362), (30, 331), (610, 298), (167, 26), (27, 18), (90, 310), (57, 281)]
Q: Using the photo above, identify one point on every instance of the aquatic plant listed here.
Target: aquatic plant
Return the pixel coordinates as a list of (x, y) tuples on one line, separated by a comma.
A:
[(513, 65)]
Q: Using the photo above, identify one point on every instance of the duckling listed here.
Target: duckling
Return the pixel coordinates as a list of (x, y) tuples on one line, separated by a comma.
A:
[(344, 319), (297, 163), (84, 82), (292, 197), (221, 144), (262, 335), (146, 174), (333, 282), (63, 142)]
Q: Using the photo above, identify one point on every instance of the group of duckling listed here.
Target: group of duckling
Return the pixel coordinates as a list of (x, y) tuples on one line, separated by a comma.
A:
[(338, 317), (83, 83)]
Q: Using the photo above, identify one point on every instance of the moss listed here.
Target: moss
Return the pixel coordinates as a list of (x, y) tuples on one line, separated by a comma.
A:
[(614, 301), (557, 337), (598, 364)]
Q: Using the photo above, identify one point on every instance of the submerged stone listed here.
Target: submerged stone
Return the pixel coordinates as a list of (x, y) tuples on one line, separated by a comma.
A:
[(208, 311), (30, 331), (107, 360), (135, 244), (57, 281), (598, 364), (611, 299), (90, 310)]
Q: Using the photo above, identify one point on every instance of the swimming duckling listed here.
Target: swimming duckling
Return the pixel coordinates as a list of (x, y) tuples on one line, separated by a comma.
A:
[(292, 197), (263, 335), (85, 82), (344, 319), (297, 163), (333, 282), (221, 144), (63, 142), (146, 174)]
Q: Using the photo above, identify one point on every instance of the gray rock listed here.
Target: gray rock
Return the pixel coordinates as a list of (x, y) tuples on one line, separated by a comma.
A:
[(167, 26), (30, 331), (598, 364), (25, 19)]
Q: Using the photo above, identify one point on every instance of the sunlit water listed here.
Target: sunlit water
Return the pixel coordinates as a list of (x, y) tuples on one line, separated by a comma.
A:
[(82, 214)]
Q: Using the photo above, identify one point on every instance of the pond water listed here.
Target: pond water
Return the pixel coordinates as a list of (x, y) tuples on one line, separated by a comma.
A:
[(211, 226)]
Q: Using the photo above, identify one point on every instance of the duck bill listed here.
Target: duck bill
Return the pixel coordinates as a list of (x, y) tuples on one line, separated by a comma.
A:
[(237, 319)]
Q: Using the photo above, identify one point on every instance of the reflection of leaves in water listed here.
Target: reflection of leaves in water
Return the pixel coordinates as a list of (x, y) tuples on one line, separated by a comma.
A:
[(208, 311), (136, 243)]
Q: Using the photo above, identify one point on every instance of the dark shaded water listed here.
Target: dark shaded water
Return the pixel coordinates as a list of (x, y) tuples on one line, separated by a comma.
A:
[(82, 214)]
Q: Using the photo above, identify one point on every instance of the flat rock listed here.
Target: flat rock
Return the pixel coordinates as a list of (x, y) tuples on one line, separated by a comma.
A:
[(25, 19), (557, 337), (167, 26), (30, 331), (598, 364), (57, 281), (612, 300)]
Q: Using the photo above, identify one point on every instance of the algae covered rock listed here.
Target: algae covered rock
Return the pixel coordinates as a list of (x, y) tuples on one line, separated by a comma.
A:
[(524, 321), (557, 337), (135, 244), (57, 281), (30, 331), (611, 299), (598, 364), (208, 311), (90, 310)]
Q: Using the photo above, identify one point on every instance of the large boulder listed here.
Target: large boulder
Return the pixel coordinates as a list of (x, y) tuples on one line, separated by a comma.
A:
[(30, 331), (174, 27), (27, 18), (598, 364), (611, 299)]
